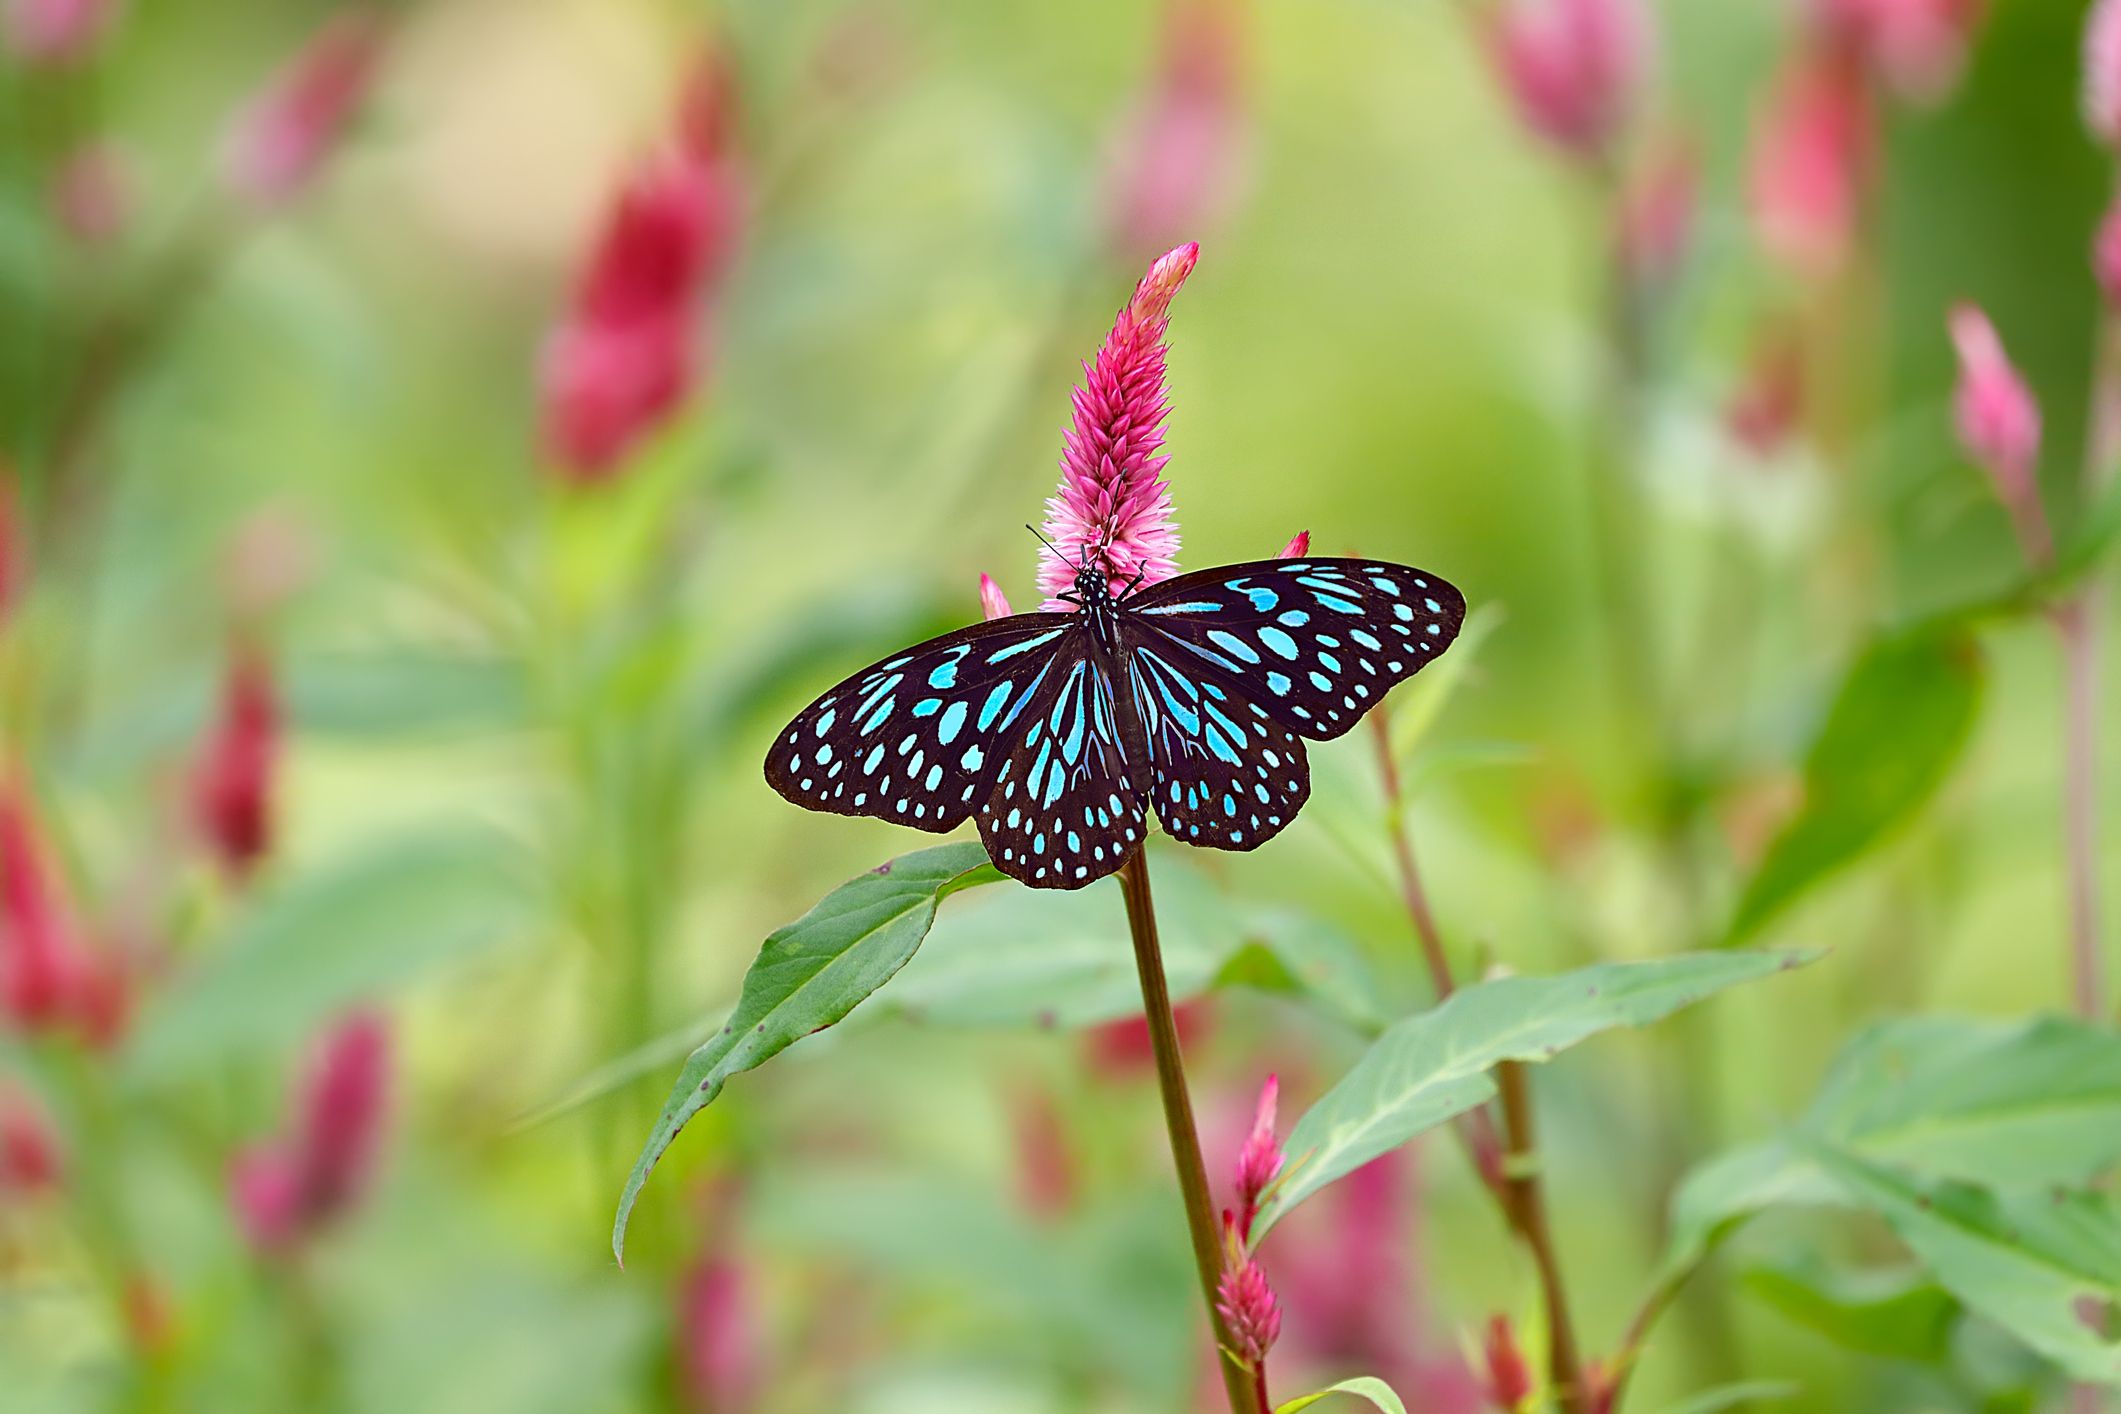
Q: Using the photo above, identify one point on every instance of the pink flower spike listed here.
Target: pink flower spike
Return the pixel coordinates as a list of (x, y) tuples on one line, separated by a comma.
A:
[(2102, 72), (1246, 1303), (1509, 1374), (232, 785), (277, 144), (2106, 257), (1113, 509), (1175, 159), (1260, 1161), (54, 33), (1572, 67), (265, 1192), (342, 1116), (717, 1334), (992, 602), (1298, 546), (1811, 163), (1999, 425), (38, 963), (29, 1150), (1657, 213)]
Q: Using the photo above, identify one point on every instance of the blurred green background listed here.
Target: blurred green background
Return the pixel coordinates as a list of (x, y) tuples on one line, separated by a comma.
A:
[(518, 806)]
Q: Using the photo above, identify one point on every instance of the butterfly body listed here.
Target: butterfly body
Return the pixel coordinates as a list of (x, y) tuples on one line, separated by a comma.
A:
[(1060, 732)]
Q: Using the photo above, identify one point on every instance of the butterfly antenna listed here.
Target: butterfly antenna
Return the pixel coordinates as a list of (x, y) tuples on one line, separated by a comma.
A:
[(1048, 544)]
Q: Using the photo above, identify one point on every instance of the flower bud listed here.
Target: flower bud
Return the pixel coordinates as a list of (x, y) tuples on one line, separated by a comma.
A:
[(232, 784), (279, 142), (2106, 257), (1260, 1161), (1299, 545), (1999, 425), (2102, 72), (1509, 1382), (55, 33), (993, 603), (1251, 1315), (1572, 67)]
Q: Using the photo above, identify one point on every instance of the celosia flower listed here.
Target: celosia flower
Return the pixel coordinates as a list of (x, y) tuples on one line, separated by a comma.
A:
[(232, 783), (1811, 162), (92, 195), (1176, 156), (1260, 1161), (29, 1150), (1122, 1049), (1657, 213), (992, 602), (1916, 47), (2102, 72), (1572, 67), (1113, 510), (278, 143), (718, 1339), (2106, 257), (623, 356), (1298, 546), (1999, 425), (287, 1191), (1509, 1376), (1045, 1169), (56, 32), (37, 956), (1251, 1316)]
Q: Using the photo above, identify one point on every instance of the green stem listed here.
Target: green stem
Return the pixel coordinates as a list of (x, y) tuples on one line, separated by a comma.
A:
[(1246, 1396)]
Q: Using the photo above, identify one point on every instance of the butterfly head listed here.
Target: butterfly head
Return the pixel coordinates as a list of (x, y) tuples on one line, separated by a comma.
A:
[(1092, 590)]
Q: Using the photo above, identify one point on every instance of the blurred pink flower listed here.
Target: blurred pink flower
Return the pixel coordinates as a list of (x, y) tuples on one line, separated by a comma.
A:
[(232, 783), (287, 1191), (623, 356), (1763, 410), (1299, 545), (1260, 1161), (38, 961), (1045, 1169), (1810, 169), (56, 32), (718, 1339), (1175, 159), (2106, 257), (1572, 67), (29, 1150), (2102, 72), (1917, 48), (1509, 1377), (992, 602), (276, 145), (1999, 425), (1657, 212), (1249, 1311), (92, 194), (1113, 509), (1121, 1050)]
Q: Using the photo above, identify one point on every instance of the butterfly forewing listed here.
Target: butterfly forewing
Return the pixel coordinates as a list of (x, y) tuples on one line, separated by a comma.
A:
[(1226, 774), (920, 738), (1315, 643), (1066, 807)]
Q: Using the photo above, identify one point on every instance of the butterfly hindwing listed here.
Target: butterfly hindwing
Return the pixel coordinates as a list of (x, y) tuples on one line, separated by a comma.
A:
[(1316, 643), (1227, 774), (1067, 805), (920, 738)]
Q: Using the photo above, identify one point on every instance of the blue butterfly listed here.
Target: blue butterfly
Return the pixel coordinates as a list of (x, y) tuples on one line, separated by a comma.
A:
[(1059, 731)]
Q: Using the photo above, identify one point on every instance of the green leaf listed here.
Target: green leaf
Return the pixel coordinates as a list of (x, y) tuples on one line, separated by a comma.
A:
[(1721, 1194), (2036, 1263), (1902, 1315), (1896, 726), (319, 941), (1427, 1068), (808, 976), (616, 1074), (1367, 1386), (1735, 1396)]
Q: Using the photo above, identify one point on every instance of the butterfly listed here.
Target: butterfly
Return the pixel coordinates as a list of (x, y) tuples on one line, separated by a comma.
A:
[(1060, 732)]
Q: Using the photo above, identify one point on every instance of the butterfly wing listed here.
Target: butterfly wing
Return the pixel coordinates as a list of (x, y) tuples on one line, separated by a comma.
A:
[(920, 738), (1067, 807), (1314, 643), (1227, 774)]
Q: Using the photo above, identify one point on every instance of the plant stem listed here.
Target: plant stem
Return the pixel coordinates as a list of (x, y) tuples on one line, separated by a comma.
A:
[(2078, 623), (1247, 1394)]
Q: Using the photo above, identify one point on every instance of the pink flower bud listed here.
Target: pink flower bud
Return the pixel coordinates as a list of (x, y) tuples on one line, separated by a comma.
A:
[(267, 1196), (92, 195), (2102, 72), (1246, 1303), (53, 33), (1572, 67), (276, 145), (1113, 508), (718, 1336), (1045, 1169), (1763, 410), (1917, 47), (1121, 1049), (1176, 157), (286, 1192), (1811, 162), (1260, 1161), (37, 956), (1509, 1374), (1657, 214), (1999, 424), (993, 603), (232, 784), (1299, 545), (2106, 257), (29, 1150)]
